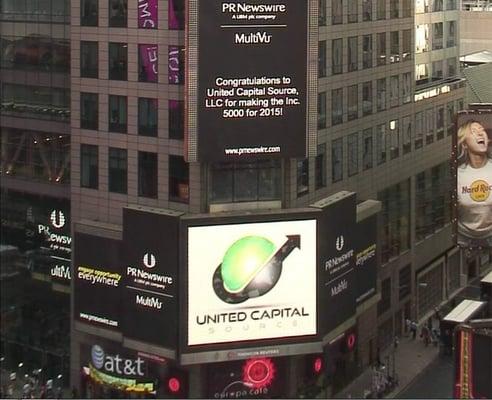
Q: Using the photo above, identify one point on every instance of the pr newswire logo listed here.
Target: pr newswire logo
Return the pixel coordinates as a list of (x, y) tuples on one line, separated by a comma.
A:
[(251, 267), (57, 219), (149, 260)]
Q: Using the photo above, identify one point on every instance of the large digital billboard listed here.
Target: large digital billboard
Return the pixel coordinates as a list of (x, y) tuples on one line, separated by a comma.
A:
[(248, 79), (474, 178), (150, 281), (251, 281), (365, 259)]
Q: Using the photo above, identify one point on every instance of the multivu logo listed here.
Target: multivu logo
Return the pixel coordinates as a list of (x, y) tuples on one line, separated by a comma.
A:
[(149, 260), (251, 267), (57, 219)]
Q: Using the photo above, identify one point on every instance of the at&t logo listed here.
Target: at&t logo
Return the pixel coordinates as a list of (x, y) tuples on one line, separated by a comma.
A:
[(149, 260), (114, 363), (57, 219), (340, 243)]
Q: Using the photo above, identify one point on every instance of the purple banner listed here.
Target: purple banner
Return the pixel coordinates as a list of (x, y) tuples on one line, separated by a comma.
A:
[(147, 62), (176, 65), (147, 14), (176, 14)]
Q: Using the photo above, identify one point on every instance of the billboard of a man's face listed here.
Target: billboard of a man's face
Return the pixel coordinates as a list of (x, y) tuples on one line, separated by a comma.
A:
[(474, 179)]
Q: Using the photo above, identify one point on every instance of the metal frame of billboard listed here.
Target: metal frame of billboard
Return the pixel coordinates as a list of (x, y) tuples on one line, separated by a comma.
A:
[(192, 94)]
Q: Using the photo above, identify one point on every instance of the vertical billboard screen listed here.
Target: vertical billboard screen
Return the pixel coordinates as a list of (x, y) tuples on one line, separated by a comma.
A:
[(97, 276), (365, 259), (251, 281), (474, 178), (251, 78), (336, 243), (149, 290)]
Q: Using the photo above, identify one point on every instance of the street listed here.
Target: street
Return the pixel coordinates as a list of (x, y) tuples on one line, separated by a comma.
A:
[(435, 382)]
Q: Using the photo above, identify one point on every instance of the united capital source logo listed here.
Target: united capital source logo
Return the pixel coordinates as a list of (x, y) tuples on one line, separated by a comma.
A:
[(251, 267), (340, 243), (57, 219), (149, 260)]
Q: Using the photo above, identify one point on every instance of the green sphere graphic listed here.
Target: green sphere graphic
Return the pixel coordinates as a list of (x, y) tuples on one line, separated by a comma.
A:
[(243, 260)]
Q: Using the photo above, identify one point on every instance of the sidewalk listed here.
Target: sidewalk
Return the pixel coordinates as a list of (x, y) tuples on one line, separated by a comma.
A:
[(411, 359)]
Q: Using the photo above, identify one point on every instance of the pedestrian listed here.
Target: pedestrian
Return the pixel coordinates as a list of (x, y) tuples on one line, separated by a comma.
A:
[(425, 335), (407, 327), (413, 329), (429, 323)]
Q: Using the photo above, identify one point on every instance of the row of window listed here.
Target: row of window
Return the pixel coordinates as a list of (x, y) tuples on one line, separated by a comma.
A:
[(118, 62), (147, 175), (147, 13), (147, 118), (431, 36), (44, 11), (352, 61)]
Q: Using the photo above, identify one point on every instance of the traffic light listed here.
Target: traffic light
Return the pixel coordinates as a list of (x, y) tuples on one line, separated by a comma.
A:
[(177, 383)]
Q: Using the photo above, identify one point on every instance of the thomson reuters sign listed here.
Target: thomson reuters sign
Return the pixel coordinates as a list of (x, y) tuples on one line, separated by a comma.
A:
[(258, 281)]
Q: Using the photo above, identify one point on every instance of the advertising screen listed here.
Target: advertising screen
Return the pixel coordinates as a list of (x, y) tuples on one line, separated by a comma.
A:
[(97, 276), (474, 179), (251, 80), (251, 281), (150, 284), (365, 259)]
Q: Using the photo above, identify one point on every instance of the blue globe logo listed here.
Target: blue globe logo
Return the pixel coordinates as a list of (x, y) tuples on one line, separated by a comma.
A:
[(97, 354)]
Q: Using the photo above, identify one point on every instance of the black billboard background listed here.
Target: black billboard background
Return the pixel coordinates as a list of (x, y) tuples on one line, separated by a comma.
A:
[(220, 56), (365, 259), (336, 285), (96, 270), (154, 236)]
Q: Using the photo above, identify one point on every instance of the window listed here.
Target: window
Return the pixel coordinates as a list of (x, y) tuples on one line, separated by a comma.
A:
[(419, 129), (450, 4), (451, 67), (176, 65), (421, 74), (395, 220), (404, 282), (437, 36), (367, 98), (394, 47), (147, 116), (381, 94), (394, 132), (89, 12), (353, 102), (176, 15), (422, 38), (429, 128), (381, 9), (407, 134), (450, 118), (117, 114), (366, 10), (367, 51), (147, 174), (336, 12), (179, 179), (176, 119), (407, 87), (407, 45), (118, 61), (353, 11), (352, 54), (451, 34), (147, 13), (322, 58), (437, 70), (336, 56), (422, 6), (89, 166), (394, 91), (337, 160), (320, 167), (245, 181), (385, 302), (381, 48), (394, 8), (321, 12), (353, 154), (88, 59), (148, 62), (89, 115), (437, 5), (117, 170), (367, 150), (337, 106), (118, 13), (302, 177), (440, 123), (322, 110), (407, 8), (381, 144)]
